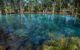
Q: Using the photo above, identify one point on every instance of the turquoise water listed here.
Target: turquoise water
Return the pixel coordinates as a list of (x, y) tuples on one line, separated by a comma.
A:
[(23, 24), (37, 28)]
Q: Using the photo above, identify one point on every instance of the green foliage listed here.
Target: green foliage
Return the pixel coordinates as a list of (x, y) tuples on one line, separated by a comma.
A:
[(64, 44)]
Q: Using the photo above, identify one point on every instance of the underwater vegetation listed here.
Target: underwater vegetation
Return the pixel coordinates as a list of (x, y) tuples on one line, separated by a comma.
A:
[(39, 32)]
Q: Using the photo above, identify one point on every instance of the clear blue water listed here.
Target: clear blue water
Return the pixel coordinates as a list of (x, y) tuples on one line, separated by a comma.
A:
[(24, 24), (36, 28)]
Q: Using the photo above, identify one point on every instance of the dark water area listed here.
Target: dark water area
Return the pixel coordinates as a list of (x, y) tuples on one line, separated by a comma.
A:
[(24, 29)]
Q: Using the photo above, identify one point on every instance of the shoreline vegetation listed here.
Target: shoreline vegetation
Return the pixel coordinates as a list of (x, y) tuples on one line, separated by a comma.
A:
[(65, 43), (48, 7), (39, 12)]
